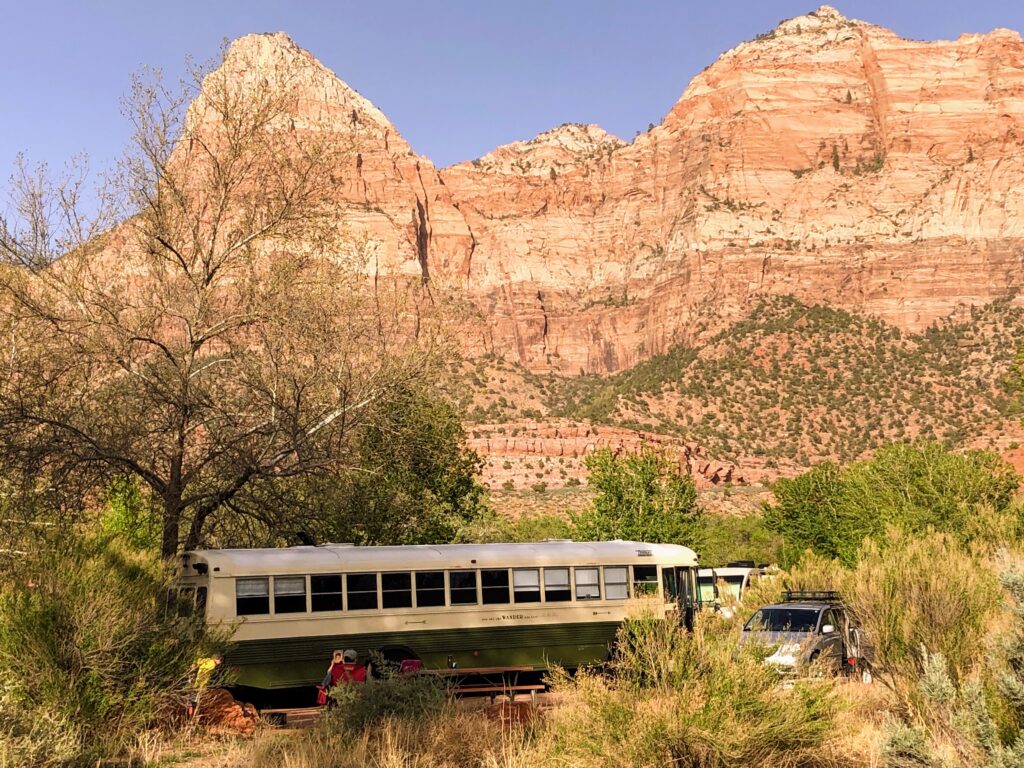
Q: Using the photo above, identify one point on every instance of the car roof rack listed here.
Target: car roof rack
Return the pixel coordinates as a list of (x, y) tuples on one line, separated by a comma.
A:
[(811, 596)]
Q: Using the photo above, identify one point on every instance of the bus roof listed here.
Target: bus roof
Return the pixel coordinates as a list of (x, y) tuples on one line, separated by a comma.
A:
[(328, 558), (727, 571)]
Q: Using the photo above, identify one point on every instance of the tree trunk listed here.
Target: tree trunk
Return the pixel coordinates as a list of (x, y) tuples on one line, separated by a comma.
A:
[(195, 530), (171, 525)]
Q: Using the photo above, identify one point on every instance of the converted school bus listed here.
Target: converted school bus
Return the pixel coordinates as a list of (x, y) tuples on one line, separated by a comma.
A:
[(465, 605)]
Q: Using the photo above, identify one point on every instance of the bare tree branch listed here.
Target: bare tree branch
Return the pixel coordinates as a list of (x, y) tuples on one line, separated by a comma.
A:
[(224, 334)]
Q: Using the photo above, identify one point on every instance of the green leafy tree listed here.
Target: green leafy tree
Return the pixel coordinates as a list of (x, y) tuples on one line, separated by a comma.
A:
[(494, 527), (916, 488), (738, 537), (416, 481), (223, 337), (640, 497), (410, 480), (810, 513)]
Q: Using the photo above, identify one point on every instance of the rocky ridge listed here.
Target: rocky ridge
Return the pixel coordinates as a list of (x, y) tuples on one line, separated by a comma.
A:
[(829, 159), (552, 453)]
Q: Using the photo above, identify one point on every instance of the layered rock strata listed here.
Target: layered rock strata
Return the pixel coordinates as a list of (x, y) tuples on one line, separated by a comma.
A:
[(829, 159)]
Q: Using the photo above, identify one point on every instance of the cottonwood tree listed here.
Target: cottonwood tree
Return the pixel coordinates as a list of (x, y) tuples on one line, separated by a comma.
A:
[(412, 481), (224, 333), (643, 496)]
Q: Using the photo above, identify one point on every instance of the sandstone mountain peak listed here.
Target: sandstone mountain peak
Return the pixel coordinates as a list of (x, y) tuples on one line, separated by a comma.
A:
[(576, 136), (831, 160), (270, 53), (828, 12), (557, 149)]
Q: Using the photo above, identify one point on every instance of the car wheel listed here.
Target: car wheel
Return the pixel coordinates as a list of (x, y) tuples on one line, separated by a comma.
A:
[(813, 669)]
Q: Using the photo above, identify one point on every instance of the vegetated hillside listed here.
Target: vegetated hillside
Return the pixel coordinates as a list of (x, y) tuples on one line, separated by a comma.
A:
[(793, 384)]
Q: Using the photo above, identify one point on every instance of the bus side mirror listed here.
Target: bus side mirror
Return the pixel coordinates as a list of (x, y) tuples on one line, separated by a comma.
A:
[(827, 629)]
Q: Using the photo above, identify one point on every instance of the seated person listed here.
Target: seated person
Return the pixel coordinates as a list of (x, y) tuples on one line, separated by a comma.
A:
[(344, 669)]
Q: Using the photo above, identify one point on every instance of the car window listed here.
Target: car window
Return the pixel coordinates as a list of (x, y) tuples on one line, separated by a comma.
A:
[(778, 619)]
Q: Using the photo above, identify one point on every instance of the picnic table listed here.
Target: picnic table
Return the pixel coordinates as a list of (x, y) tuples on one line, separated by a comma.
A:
[(489, 685)]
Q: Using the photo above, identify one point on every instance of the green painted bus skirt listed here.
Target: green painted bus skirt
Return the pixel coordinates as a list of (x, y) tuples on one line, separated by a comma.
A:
[(299, 661)]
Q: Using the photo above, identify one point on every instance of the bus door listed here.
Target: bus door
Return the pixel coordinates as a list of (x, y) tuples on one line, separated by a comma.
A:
[(681, 587), (688, 592)]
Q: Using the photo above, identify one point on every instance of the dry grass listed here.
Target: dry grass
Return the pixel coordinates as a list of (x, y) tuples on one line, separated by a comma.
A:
[(452, 740), (693, 700), (863, 722)]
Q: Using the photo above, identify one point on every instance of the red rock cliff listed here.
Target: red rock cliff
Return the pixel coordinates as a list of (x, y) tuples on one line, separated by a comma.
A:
[(829, 159)]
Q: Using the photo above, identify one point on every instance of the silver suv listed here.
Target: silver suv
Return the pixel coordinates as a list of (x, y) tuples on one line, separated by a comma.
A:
[(806, 627)]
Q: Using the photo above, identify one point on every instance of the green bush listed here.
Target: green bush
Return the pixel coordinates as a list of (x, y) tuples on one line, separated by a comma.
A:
[(390, 697), (917, 488), (128, 516), (690, 699), (88, 656)]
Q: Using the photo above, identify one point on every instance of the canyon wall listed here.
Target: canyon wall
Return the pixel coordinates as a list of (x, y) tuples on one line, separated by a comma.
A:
[(829, 159)]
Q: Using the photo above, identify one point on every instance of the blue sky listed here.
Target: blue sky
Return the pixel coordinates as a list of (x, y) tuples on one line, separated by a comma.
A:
[(456, 78)]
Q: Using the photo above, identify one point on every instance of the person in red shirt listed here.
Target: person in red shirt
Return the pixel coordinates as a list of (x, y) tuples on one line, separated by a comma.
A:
[(346, 670), (343, 670)]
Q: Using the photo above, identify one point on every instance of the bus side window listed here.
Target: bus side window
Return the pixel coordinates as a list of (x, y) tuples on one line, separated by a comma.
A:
[(462, 586), (201, 602), (556, 585), (362, 591), (430, 589), (587, 587), (645, 579), (494, 585), (668, 581), (526, 585), (289, 594), (252, 596), (397, 590), (706, 590), (185, 601), (325, 592), (616, 582)]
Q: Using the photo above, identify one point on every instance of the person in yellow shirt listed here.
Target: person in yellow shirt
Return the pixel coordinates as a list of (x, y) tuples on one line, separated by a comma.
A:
[(204, 669)]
